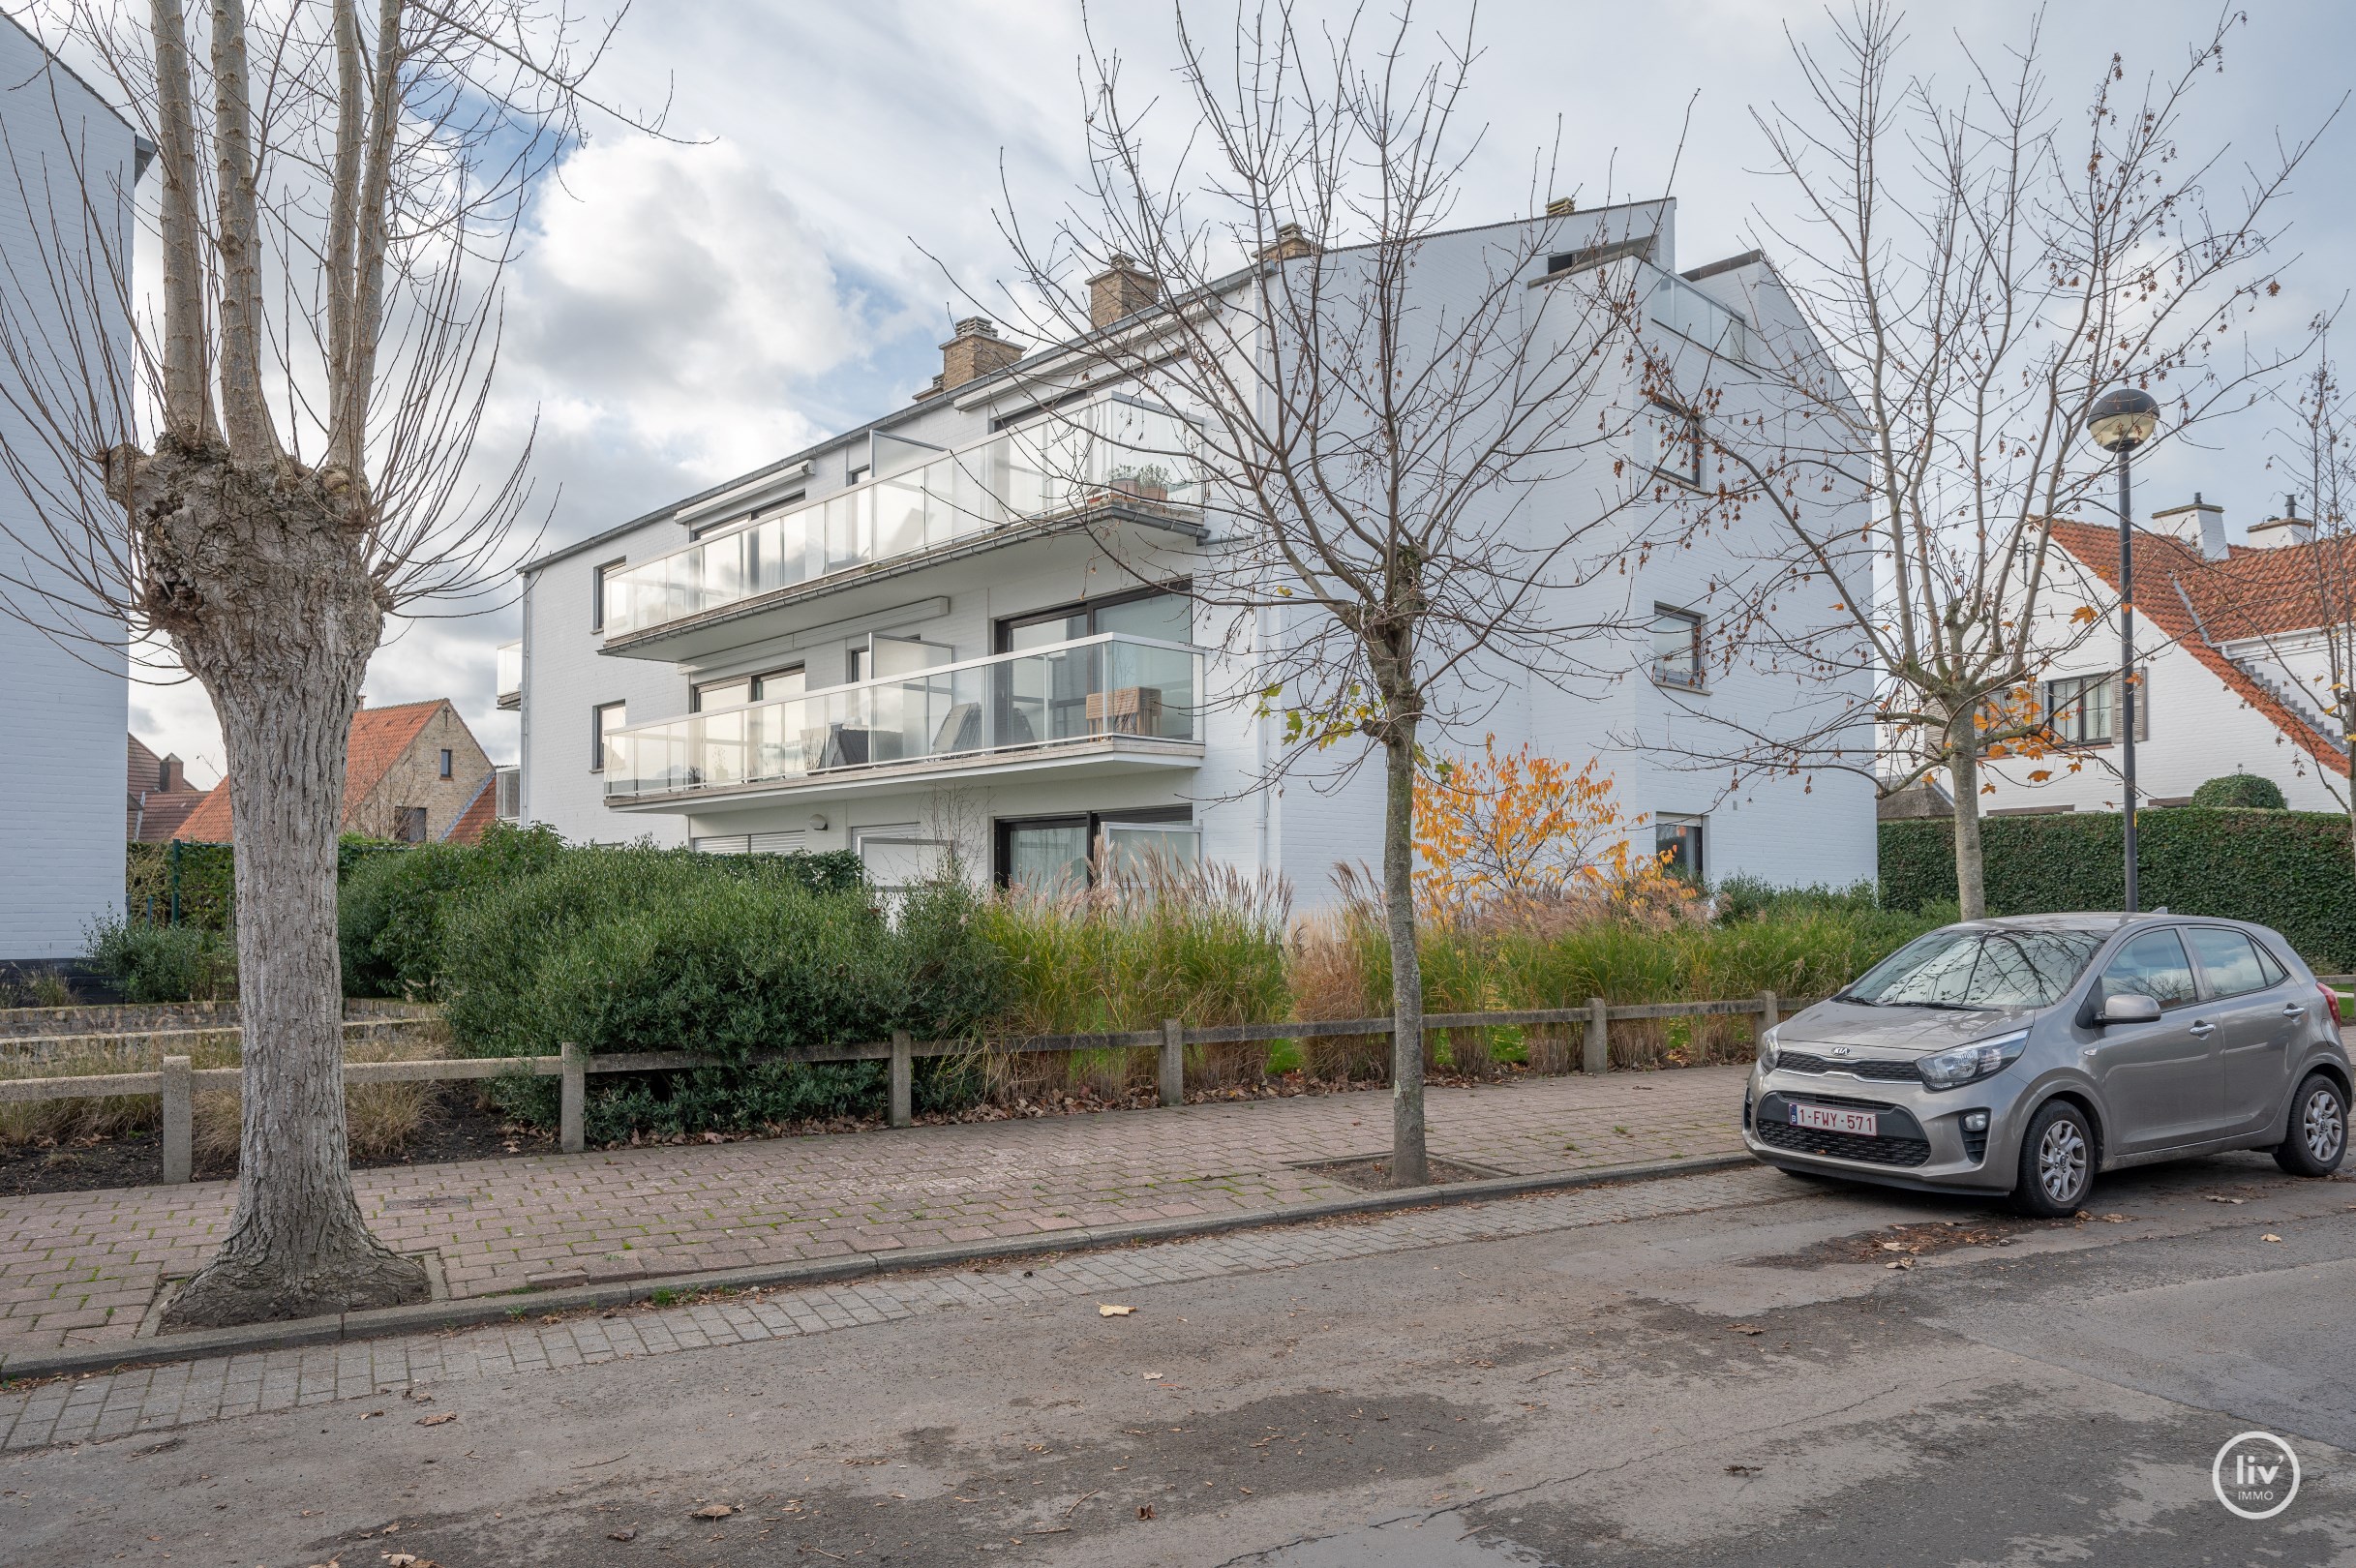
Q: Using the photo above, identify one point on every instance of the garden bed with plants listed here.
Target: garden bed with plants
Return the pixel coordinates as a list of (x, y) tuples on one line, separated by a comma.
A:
[(525, 944)]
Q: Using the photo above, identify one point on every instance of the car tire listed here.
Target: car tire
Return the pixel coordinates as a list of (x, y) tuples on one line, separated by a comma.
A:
[(2316, 1139), (2057, 1163)]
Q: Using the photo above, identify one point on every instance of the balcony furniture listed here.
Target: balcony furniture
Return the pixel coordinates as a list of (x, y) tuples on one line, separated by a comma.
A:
[(1125, 710)]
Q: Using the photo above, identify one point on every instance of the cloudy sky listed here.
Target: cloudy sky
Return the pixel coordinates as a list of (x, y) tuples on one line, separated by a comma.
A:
[(786, 264)]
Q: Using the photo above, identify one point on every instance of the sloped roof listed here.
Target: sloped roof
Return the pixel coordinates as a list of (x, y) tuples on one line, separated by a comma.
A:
[(2198, 602), (481, 811), (379, 737)]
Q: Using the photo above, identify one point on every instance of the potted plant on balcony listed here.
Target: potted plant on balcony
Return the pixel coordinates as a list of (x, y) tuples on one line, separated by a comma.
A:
[(1148, 482)]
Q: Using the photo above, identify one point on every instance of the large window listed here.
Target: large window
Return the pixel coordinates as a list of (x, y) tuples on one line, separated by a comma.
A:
[(2084, 709), (2152, 965), (1157, 612), (1676, 648), (604, 719), (711, 696), (2234, 964), (1059, 854)]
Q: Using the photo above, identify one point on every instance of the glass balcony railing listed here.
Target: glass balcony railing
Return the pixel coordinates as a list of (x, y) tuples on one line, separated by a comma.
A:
[(1097, 688), (511, 675), (1109, 451), (1670, 302)]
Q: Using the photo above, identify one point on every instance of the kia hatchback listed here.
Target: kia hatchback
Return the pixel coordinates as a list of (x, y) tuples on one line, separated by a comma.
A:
[(2026, 1056)]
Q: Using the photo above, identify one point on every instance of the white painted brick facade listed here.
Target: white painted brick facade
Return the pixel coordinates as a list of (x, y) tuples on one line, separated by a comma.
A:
[(64, 693), (1792, 830)]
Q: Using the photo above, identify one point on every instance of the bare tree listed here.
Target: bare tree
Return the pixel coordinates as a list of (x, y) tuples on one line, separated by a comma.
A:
[(1978, 268), (280, 458), (1406, 432)]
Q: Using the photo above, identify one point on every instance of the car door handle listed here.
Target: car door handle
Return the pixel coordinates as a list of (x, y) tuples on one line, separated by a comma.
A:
[(2293, 1009), (2203, 1028)]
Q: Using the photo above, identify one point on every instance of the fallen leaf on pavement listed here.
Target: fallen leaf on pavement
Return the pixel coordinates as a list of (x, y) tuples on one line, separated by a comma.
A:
[(1901, 1263), (1894, 1246), (2269, 1236), (627, 1533), (1145, 1510), (370, 1415), (713, 1511), (438, 1420), (2214, 1199), (1744, 1469), (1745, 1328), (1152, 1378), (1109, 1311)]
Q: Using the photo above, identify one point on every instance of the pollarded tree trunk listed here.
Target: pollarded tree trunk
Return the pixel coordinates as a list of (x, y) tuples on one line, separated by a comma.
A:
[(1971, 887), (1410, 1166), (229, 546)]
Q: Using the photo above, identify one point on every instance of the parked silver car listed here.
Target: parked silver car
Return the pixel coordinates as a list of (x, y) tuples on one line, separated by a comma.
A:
[(2028, 1055)]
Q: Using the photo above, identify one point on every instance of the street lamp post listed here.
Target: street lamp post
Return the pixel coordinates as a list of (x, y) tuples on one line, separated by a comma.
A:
[(2121, 421)]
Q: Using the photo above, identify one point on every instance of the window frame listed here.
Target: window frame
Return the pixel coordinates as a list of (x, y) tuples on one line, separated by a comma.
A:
[(2053, 705), (1004, 627), (448, 762), (2096, 994), (752, 686), (1663, 821), (1656, 407), (597, 730), (2271, 972), (1002, 829), (1695, 621), (597, 590)]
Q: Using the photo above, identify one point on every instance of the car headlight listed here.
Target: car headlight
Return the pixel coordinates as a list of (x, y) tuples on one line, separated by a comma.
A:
[(1969, 1064), (1767, 1047)]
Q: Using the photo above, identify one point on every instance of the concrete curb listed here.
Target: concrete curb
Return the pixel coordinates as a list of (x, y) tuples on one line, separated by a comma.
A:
[(429, 1317)]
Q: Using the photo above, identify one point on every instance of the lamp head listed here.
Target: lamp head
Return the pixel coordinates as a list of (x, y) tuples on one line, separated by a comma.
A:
[(2123, 419)]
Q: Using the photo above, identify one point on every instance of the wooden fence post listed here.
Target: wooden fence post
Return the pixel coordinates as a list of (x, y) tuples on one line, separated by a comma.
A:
[(1173, 1062), (1769, 1013), (903, 1080), (178, 1118), (572, 1099), (1599, 1037)]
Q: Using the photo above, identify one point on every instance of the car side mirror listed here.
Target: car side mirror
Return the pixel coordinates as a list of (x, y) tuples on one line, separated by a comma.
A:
[(2129, 1008)]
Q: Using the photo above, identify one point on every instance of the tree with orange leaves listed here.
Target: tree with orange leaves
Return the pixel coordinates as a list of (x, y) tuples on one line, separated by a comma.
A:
[(1508, 826)]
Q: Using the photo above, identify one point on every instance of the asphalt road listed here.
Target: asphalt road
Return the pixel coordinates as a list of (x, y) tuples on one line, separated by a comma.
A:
[(1748, 1385)]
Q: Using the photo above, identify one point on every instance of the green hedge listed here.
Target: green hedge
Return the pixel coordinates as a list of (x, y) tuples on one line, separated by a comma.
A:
[(2287, 870)]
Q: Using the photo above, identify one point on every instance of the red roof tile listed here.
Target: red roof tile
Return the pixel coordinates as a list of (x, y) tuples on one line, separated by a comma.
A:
[(379, 737), (2196, 601), (481, 811)]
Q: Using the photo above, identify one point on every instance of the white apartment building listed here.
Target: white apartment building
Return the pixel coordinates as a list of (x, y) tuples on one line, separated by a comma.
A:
[(2233, 675), (967, 625), (64, 678)]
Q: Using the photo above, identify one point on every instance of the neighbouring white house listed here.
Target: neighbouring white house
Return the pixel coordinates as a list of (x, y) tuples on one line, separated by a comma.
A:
[(967, 625), (2231, 662), (69, 160)]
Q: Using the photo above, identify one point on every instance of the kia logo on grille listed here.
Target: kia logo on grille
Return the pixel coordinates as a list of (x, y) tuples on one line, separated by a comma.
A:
[(1837, 1050)]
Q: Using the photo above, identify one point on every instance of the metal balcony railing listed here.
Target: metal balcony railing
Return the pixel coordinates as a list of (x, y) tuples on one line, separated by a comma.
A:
[(511, 675), (1097, 688)]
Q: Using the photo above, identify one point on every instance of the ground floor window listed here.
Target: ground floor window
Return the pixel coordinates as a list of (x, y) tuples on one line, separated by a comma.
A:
[(1047, 854), (1677, 841), (899, 856)]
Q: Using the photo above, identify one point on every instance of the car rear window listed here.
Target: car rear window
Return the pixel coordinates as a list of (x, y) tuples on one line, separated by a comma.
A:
[(1964, 968), (2233, 963)]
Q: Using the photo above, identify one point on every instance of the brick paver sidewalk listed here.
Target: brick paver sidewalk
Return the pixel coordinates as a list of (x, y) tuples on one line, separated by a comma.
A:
[(80, 1268)]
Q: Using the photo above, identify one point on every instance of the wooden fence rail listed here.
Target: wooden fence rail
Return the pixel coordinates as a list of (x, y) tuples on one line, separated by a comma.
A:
[(178, 1083)]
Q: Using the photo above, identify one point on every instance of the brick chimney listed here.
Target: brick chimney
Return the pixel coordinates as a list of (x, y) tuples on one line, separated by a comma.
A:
[(975, 351), (1121, 289), (169, 775), (1290, 243)]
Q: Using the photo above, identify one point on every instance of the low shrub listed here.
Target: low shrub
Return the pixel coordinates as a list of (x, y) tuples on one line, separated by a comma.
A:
[(164, 963), (2250, 791)]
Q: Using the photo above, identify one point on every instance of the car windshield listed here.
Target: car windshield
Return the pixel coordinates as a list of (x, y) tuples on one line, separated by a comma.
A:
[(1967, 969)]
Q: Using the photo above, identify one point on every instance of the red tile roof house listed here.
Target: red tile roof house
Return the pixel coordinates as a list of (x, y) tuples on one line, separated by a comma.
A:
[(415, 772), (2233, 665), (157, 796)]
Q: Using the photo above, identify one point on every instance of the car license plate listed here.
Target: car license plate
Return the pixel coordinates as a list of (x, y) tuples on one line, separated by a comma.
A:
[(1828, 1119)]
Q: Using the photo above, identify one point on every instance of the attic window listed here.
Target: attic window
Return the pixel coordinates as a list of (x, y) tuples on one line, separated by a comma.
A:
[(1595, 256)]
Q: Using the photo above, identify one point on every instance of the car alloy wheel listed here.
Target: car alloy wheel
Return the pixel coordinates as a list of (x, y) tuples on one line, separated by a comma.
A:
[(2060, 1163), (2323, 1125)]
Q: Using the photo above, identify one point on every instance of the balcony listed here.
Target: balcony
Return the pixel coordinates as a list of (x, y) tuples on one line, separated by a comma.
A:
[(1109, 703), (1673, 303), (511, 675), (508, 800), (1111, 459)]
